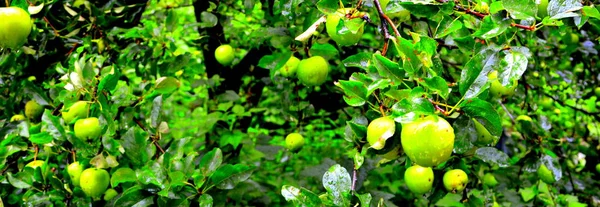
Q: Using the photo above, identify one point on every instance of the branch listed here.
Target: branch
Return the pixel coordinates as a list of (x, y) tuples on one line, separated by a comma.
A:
[(386, 18), (483, 15)]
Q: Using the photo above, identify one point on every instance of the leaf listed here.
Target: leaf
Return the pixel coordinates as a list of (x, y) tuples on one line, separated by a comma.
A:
[(211, 161), (359, 60), (590, 11), (227, 176), (130, 196), (274, 62), (446, 26), (410, 61), (328, 6), (465, 135), (355, 93), (492, 156), (491, 27), (135, 145), (528, 193), (520, 9), (166, 85), (326, 50), (474, 77), (208, 19), (338, 183), (485, 113), (40, 138), (152, 173), (389, 69), (450, 200), (365, 199), (300, 196), (514, 65), (205, 200), (20, 180), (122, 175), (438, 85), (559, 9), (109, 82)]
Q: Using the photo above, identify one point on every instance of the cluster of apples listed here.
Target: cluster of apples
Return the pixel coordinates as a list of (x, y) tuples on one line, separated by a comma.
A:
[(93, 181)]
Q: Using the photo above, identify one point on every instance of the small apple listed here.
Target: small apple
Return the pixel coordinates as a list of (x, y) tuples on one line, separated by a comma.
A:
[(15, 27), (74, 170), (88, 128), (428, 141), (497, 89), (483, 135), (313, 71), (110, 194), (294, 141), (344, 36), (379, 130), (33, 110), (94, 181), (224, 54), (597, 91), (542, 8), (598, 167), (17, 118), (489, 180), (419, 180), (455, 180), (42, 165), (290, 67), (78, 110)]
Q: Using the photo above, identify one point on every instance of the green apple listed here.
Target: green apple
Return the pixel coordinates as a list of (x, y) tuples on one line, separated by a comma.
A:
[(74, 170), (110, 194), (546, 102), (15, 27), (344, 36), (290, 67), (597, 91), (545, 174), (94, 182), (542, 8), (489, 180), (224, 54), (33, 110), (42, 165), (78, 110), (419, 180), (497, 89), (482, 7), (483, 135), (598, 167), (428, 141), (455, 180), (294, 141), (88, 128), (313, 71), (379, 130)]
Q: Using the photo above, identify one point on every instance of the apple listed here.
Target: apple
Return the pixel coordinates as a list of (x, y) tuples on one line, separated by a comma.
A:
[(497, 89), (294, 141), (110, 194), (483, 135), (428, 141), (15, 27), (545, 174), (313, 71), (74, 170), (546, 102), (224, 54), (290, 67), (42, 165), (33, 110), (379, 130), (94, 181), (598, 167), (88, 128), (419, 180), (343, 36), (542, 8), (489, 180), (455, 180), (597, 91), (78, 110), (482, 7)]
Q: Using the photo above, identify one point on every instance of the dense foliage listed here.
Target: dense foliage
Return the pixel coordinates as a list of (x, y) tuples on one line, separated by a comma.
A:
[(299, 103)]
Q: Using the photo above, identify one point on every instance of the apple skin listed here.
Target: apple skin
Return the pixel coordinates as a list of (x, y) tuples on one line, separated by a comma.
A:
[(379, 130), (74, 170), (428, 141), (313, 71), (17, 118), (41, 164), (294, 141), (94, 181), (489, 180), (483, 135), (33, 110), (419, 179), (78, 110), (224, 54), (597, 91), (88, 128), (543, 8), (455, 180), (15, 27), (497, 89), (290, 67)]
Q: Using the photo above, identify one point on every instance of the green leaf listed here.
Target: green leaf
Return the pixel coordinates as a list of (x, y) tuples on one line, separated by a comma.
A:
[(465, 134), (450, 200), (490, 28), (20, 180), (338, 184), (328, 6), (365, 199), (590, 11), (559, 9), (474, 78), (438, 85), (109, 82), (355, 93), (41, 138), (166, 85), (410, 61), (520, 9), (300, 196), (211, 161), (360, 60), (446, 26), (227, 176), (492, 155), (152, 173), (130, 196), (485, 113), (527, 193), (389, 69), (205, 200), (135, 145), (356, 129), (274, 62), (208, 20), (326, 50), (122, 175)]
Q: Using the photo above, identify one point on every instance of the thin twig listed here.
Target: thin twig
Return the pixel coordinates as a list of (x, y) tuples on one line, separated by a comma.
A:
[(384, 27), (483, 15)]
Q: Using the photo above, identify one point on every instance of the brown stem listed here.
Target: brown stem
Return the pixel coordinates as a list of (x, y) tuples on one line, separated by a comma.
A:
[(384, 26)]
